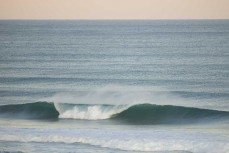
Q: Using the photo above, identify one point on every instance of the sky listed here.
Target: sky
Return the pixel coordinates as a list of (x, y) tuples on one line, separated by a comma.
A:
[(114, 9)]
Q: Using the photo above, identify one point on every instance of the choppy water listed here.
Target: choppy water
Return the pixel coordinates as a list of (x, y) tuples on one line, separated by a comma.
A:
[(114, 86)]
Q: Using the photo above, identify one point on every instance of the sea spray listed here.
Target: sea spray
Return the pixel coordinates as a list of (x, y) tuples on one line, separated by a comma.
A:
[(130, 95)]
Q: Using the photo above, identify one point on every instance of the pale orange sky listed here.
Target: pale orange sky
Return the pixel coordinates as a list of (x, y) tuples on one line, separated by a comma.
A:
[(114, 9)]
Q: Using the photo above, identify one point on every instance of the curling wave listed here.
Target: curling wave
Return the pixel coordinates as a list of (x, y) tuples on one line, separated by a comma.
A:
[(135, 114)]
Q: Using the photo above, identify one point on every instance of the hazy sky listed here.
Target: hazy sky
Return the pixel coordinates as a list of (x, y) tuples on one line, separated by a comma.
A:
[(114, 9)]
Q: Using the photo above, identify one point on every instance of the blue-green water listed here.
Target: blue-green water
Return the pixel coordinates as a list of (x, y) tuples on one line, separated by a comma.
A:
[(114, 86)]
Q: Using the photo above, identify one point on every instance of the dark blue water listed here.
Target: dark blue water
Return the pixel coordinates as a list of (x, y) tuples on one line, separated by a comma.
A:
[(111, 67)]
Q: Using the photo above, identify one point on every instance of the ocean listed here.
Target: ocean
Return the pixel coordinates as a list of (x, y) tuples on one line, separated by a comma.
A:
[(127, 86)]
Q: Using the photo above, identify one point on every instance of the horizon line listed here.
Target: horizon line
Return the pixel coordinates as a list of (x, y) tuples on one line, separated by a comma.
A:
[(111, 19)]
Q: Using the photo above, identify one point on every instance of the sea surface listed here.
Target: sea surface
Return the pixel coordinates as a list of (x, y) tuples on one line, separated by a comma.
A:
[(114, 86)]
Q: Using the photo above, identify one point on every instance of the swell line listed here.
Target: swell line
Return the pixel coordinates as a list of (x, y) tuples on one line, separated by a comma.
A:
[(135, 114)]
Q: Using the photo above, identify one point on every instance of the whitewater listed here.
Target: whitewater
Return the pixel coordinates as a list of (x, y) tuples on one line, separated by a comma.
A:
[(114, 86)]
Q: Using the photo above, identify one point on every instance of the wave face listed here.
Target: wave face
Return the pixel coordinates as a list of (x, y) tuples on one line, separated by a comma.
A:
[(37, 110), (157, 114), (135, 114)]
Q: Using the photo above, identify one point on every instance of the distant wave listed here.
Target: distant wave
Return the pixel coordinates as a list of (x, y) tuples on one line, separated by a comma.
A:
[(135, 114)]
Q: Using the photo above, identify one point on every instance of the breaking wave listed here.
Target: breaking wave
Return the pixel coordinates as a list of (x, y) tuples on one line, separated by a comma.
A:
[(131, 114), (88, 111)]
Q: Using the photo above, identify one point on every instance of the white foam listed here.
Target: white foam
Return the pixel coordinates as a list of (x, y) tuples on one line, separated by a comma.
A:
[(94, 112), (152, 140)]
